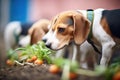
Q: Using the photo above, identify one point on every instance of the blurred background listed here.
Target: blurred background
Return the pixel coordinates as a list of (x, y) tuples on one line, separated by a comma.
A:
[(32, 10)]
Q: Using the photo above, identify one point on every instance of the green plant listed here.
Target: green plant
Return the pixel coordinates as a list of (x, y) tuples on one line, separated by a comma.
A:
[(24, 53), (112, 69)]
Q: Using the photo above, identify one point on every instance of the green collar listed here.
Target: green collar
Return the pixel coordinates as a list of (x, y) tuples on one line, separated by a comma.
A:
[(90, 17)]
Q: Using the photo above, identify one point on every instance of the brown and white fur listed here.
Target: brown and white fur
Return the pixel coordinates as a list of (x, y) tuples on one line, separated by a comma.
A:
[(14, 32), (74, 26), (36, 32), (41, 27)]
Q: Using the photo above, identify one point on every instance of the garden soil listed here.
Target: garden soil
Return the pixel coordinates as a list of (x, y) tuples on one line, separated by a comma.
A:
[(35, 72), (30, 72)]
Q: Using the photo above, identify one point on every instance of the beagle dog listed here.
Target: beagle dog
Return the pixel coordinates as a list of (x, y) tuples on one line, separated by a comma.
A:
[(100, 26), (36, 33), (41, 27), (14, 32), (38, 30)]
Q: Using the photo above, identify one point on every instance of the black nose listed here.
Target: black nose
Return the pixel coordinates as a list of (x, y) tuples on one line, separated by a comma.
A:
[(44, 40), (48, 45)]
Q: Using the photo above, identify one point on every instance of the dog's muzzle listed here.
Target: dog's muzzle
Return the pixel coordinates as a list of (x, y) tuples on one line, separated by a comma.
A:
[(48, 45)]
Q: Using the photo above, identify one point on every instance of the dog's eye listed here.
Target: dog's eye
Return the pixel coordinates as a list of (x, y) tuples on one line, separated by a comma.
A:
[(60, 30)]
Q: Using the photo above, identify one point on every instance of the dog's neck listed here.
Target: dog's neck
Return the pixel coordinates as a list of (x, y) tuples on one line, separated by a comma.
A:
[(90, 17), (88, 14), (84, 12)]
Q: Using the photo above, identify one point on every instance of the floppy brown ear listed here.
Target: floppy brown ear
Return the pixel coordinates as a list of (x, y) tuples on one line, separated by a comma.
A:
[(33, 37), (36, 35), (81, 28)]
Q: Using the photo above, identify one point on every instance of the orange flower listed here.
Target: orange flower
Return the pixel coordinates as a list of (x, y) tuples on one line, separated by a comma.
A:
[(38, 62), (116, 76), (72, 75), (54, 69), (33, 58), (9, 62)]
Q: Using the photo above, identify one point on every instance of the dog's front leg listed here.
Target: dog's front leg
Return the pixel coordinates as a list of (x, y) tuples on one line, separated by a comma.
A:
[(74, 52), (107, 49)]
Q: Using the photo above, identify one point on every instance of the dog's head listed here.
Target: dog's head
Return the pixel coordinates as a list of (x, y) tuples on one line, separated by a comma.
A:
[(65, 27), (38, 30)]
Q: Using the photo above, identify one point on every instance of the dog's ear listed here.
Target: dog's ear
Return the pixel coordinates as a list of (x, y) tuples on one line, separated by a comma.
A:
[(36, 35), (33, 37), (81, 28)]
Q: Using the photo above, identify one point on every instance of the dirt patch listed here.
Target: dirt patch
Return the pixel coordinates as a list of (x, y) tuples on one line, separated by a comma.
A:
[(27, 72), (35, 72)]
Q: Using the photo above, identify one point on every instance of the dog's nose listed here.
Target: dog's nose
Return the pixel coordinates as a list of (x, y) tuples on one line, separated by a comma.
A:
[(48, 45), (44, 40)]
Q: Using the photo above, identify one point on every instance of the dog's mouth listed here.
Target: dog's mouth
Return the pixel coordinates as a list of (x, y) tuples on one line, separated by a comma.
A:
[(58, 48), (55, 49)]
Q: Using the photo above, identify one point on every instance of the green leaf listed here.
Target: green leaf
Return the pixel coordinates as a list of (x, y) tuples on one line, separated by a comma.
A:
[(11, 54)]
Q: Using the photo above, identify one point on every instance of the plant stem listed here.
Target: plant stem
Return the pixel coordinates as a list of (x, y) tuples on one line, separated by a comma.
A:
[(66, 71), (86, 72)]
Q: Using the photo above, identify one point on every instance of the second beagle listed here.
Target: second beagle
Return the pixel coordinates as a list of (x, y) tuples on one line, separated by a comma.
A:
[(38, 30), (35, 32), (14, 32), (103, 27)]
